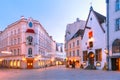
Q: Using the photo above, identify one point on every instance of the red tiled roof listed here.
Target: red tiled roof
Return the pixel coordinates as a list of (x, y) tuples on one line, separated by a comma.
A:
[(30, 31)]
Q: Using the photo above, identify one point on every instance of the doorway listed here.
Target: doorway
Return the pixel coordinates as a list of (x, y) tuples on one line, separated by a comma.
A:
[(115, 63), (30, 63), (91, 58)]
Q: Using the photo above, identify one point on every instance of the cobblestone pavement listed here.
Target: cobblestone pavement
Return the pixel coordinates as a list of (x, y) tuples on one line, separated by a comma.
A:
[(57, 73)]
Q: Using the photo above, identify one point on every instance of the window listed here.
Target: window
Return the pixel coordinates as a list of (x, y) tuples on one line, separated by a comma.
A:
[(15, 32), (77, 52), (117, 6), (90, 34), (18, 31), (73, 44), (11, 51), (90, 44), (11, 33), (98, 55), (18, 51), (30, 52), (18, 40), (73, 53), (116, 46), (77, 42), (11, 42), (70, 45), (14, 41), (70, 54), (14, 51), (117, 24), (84, 55), (30, 40)]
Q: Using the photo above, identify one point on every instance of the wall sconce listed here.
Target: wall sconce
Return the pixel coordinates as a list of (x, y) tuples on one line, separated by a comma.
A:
[(98, 64), (84, 63)]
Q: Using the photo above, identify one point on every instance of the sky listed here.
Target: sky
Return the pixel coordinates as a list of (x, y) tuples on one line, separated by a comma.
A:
[(54, 15)]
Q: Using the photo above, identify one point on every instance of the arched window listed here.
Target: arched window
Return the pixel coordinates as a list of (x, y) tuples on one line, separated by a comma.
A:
[(116, 46), (30, 40), (30, 52)]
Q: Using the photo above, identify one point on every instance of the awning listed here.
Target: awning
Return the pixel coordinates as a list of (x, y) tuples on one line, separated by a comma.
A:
[(30, 31)]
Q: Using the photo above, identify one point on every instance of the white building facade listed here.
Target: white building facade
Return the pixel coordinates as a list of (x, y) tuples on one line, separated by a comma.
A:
[(113, 26), (26, 44), (94, 41), (60, 54)]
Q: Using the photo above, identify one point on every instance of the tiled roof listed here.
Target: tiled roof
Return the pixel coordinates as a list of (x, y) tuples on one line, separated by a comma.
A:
[(100, 17)]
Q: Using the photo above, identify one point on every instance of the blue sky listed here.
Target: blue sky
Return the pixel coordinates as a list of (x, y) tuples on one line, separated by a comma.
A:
[(54, 15)]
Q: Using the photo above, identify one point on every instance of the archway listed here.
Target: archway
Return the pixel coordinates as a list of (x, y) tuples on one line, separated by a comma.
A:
[(91, 58)]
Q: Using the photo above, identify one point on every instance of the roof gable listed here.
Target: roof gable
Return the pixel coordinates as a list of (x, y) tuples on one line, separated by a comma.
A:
[(100, 18)]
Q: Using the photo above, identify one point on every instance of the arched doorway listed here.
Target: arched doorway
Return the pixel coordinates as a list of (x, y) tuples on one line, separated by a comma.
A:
[(91, 58)]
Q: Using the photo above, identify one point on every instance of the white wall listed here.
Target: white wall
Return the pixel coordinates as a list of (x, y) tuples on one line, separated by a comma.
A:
[(99, 37)]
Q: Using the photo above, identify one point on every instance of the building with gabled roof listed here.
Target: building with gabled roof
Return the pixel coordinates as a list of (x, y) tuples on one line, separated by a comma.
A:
[(74, 50), (94, 41)]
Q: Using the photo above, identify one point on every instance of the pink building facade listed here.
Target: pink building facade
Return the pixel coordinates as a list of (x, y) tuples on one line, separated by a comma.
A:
[(26, 44)]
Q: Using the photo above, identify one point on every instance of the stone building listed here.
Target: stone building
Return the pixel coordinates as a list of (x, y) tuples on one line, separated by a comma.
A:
[(26, 44)]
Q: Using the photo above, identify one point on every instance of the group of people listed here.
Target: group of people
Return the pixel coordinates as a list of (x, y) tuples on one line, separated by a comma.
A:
[(73, 64)]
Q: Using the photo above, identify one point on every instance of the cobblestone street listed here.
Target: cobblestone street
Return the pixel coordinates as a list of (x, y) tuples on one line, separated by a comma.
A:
[(57, 73)]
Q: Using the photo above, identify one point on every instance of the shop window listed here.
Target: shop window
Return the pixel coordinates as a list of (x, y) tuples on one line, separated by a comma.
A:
[(98, 54), (84, 55)]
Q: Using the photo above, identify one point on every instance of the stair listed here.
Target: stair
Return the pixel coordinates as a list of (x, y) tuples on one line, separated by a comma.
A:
[(90, 67)]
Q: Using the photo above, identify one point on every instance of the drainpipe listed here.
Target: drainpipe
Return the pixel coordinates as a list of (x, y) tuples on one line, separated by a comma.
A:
[(107, 2)]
